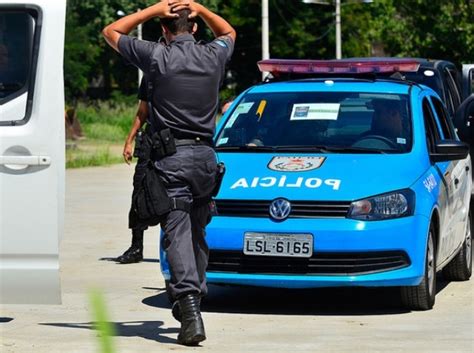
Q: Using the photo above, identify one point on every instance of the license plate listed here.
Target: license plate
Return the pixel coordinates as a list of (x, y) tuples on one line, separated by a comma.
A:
[(274, 244)]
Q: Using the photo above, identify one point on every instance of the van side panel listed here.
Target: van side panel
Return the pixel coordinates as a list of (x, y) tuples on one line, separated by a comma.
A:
[(32, 170)]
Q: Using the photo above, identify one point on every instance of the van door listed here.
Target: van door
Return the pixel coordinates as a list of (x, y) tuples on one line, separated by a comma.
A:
[(32, 156), (467, 80)]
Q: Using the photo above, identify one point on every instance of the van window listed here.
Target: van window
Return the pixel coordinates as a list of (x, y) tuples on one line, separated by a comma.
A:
[(336, 120), (17, 63)]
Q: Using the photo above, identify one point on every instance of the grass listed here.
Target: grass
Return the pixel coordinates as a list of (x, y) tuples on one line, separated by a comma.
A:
[(92, 154), (102, 325), (105, 126), (106, 120)]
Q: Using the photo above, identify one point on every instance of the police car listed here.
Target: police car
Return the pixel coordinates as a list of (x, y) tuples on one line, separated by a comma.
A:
[(349, 181)]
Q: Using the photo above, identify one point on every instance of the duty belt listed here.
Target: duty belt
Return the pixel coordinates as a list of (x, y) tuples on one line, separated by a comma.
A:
[(191, 142)]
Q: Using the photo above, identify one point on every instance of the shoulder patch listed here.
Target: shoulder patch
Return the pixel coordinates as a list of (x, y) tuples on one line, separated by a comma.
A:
[(221, 43)]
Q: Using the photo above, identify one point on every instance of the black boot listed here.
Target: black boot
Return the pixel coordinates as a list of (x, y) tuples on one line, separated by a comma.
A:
[(192, 327), (135, 252), (176, 311)]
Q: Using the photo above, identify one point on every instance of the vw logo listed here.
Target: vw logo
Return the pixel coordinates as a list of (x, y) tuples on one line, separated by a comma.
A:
[(280, 209)]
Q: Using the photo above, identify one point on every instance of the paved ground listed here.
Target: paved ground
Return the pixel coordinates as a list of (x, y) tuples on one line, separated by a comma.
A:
[(237, 319)]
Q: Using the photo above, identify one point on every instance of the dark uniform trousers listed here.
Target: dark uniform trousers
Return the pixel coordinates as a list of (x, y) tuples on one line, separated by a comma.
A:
[(188, 175), (134, 221)]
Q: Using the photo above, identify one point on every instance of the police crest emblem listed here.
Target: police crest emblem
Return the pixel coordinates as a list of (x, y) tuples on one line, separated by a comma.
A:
[(295, 164)]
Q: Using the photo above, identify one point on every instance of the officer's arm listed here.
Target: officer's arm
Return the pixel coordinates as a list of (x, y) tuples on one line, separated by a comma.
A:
[(125, 25), (217, 24), (138, 122)]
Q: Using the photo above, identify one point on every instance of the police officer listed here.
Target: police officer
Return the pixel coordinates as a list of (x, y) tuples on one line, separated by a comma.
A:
[(135, 252), (187, 76)]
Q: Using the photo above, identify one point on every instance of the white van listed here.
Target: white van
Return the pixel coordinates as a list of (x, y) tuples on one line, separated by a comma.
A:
[(32, 157)]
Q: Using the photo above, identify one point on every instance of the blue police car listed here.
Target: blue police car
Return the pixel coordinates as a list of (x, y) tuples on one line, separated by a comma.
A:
[(350, 180)]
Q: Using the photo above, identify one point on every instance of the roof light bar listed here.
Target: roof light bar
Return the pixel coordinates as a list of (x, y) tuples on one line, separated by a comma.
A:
[(278, 66)]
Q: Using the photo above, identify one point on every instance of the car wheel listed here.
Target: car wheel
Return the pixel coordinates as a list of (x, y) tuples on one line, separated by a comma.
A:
[(460, 267), (422, 296)]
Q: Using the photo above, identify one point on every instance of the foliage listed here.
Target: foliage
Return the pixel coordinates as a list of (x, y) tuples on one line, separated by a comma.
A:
[(434, 29), (92, 156), (79, 57), (106, 121), (419, 28)]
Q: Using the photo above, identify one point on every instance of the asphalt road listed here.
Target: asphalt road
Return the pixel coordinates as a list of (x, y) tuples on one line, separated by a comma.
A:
[(237, 319)]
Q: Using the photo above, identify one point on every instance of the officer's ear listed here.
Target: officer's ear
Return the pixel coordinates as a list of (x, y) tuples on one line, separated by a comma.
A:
[(164, 30), (195, 28)]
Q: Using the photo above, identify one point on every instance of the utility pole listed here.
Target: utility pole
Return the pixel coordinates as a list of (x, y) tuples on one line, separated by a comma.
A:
[(121, 13), (265, 33), (337, 4), (338, 30), (140, 37)]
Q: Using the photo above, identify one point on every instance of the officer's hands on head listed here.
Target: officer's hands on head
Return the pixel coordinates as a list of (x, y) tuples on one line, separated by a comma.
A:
[(178, 5)]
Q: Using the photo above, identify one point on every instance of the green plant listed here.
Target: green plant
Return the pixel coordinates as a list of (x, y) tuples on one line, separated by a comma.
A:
[(106, 120), (93, 157), (102, 324)]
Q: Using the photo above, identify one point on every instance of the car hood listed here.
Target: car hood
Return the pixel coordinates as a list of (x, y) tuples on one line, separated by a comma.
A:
[(338, 177)]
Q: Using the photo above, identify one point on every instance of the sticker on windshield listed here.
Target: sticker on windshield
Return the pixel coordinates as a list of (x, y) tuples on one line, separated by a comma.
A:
[(295, 164), (222, 141), (261, 109), (242, 108), (315, 111), (401, 141)]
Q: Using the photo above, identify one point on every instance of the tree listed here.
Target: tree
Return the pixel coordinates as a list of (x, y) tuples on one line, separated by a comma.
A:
[(416, 28), (436, 29)]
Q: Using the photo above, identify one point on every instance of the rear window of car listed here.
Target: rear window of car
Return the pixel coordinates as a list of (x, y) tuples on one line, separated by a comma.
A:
[(378, 122), (427, 77)]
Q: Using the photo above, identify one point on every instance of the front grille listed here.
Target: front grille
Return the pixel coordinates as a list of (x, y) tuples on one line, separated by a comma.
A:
[(318, 264), (299, 209)]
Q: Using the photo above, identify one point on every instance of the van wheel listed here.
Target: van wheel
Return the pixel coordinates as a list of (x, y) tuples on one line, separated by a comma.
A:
[(460, 267), (422, 296)]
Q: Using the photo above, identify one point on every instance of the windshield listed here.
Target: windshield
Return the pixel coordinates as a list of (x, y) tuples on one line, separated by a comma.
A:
[(324, 121)]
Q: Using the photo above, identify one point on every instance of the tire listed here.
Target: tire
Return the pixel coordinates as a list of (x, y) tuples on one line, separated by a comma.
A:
[(422, 296), (460, 267)]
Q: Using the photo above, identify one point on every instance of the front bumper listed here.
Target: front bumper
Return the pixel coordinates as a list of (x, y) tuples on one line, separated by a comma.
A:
[(405, 235)]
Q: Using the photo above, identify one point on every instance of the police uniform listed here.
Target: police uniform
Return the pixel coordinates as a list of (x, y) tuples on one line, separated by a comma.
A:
[(138, 226), (134, 221), (184, 79)]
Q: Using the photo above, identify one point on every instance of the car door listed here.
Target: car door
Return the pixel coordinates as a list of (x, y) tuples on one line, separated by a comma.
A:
[(467, 80), (32, 153), (444, 171), (461, 183), (453, 89)]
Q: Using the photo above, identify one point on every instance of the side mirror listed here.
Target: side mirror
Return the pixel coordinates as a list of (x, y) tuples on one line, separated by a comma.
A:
[(464, 120), (450, 150)]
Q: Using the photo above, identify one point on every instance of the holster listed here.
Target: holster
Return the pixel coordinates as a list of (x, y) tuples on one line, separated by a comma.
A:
[(142, 146), (219, 177), (162, 144), (150, 200)]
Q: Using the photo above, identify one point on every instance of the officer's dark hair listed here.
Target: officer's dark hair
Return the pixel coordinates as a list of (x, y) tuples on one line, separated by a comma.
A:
[(180, 24)]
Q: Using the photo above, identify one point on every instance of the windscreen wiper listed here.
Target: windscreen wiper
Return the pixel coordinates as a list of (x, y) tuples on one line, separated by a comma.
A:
[(302, 148), (354, 150), (245, 148), (328, 149)]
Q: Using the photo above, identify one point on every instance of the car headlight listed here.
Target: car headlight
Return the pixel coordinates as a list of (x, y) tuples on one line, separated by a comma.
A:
[(391, 205)]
